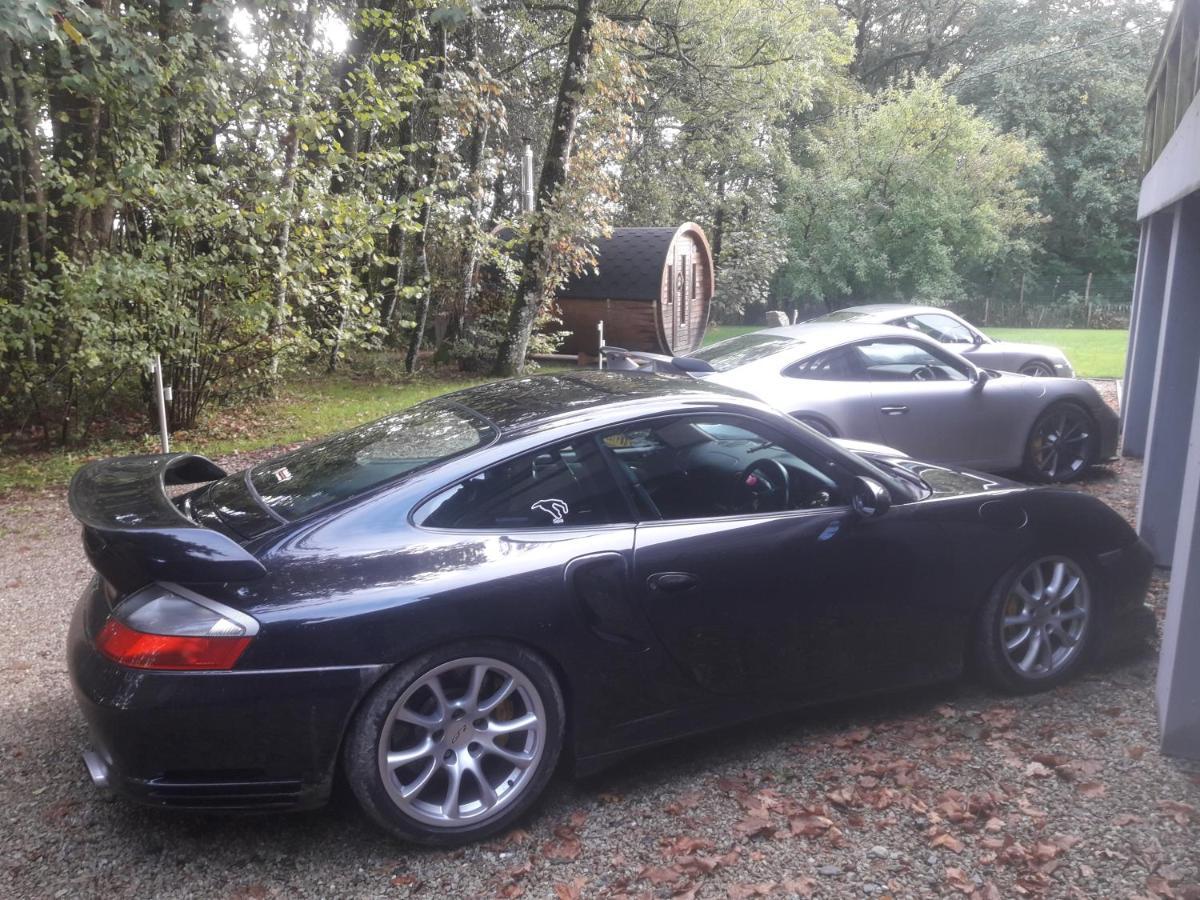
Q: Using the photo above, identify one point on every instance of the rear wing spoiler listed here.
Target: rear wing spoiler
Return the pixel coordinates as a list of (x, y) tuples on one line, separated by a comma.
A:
[(620, 359), (134, 532)]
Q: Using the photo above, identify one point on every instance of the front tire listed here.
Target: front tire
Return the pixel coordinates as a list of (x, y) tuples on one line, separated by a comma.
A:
[(1062, 444), (456, 745), (1038, 626), (1037, 368)]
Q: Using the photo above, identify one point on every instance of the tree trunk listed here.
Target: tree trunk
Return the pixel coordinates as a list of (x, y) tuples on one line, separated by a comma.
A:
[(535, 268), (436, 85), (287, 184), (476, 189)]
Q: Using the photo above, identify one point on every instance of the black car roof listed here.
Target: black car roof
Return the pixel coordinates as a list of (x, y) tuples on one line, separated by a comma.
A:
[(518, 404)]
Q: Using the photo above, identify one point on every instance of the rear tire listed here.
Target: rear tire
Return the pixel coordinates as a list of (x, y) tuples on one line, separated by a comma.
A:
[(457, 744), (1062, 444), (1038, 625)]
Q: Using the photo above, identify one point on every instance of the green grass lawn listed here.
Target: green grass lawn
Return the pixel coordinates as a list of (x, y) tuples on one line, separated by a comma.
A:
[(303, 410), (1094, 353)]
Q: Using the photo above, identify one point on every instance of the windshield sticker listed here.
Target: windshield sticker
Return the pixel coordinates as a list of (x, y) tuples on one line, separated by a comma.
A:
[(556, 509)]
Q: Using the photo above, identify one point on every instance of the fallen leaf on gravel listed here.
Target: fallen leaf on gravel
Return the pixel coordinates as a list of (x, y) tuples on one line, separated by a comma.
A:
[(1037, 770), (704, 864), (850, 738), (685, 846), (686, 803), (993, 824), (572, 891), (1180, 812), (989, 891), (841, 796), (745, 891), (1136, 752), (1160, 887), (801, 887), (809, 825), (951, 843), (1092, 789), (1127, 819), (660, 874), (755, 826), (958, 880), (566, 845)]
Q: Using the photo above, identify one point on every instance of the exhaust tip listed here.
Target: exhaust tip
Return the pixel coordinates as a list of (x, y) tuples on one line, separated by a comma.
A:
[(97, 770)]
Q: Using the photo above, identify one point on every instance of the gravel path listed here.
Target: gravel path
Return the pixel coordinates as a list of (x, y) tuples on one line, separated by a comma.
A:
[(950, 791)]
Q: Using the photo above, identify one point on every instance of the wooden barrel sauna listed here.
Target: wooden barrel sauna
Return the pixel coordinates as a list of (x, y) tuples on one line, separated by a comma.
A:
[(651, 286)]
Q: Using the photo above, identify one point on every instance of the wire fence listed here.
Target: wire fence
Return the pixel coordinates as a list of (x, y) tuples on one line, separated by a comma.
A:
[(1069, 300)]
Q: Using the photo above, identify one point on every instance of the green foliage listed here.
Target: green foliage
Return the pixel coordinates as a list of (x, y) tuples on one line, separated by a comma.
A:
[(902, 199)]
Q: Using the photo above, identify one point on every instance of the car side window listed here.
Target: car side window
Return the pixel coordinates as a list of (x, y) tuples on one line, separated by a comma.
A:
[(842, 364), (901, 360), (698, 467), (942, 329), (566, 485)]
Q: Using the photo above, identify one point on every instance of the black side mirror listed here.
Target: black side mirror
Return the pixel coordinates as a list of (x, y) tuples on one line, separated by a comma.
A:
[(982, 377), (871, 499)]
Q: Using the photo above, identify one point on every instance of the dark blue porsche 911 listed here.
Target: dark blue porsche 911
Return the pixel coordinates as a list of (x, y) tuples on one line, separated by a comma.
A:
[(452, 600)]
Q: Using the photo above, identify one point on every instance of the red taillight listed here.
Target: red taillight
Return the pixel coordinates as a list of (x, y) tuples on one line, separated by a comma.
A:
[(139, 650), (171, 627)]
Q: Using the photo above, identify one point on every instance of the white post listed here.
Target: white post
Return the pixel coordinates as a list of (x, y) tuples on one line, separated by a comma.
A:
[(600, 328), (528, 201), (160, 401)]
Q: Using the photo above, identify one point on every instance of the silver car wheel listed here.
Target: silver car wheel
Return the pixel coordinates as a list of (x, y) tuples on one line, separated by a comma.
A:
[(1046, 614), (1037, 369), (1061, 442), (462, 742)]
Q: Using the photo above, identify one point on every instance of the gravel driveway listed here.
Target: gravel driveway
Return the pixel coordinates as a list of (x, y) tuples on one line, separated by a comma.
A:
[(949, 791)]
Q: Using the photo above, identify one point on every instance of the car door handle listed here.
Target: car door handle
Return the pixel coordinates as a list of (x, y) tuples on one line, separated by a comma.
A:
[(672, 582), (893, 410)]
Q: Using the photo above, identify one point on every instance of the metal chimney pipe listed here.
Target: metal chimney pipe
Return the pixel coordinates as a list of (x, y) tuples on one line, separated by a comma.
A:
[(527, 202)]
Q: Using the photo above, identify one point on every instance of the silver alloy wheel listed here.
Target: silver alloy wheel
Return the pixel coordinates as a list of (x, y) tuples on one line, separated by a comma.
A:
[(462, 742), (1037, 369), (1046, 614), (1061, 442)]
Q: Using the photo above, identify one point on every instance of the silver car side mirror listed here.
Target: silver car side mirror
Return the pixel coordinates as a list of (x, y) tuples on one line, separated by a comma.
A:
[(871, 499)]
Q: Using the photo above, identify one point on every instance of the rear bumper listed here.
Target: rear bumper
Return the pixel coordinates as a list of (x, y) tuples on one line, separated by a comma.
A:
[(211, 740), (1130, 624)]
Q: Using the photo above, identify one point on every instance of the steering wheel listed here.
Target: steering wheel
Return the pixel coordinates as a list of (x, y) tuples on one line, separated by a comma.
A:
[(923, 373), (765, 483)]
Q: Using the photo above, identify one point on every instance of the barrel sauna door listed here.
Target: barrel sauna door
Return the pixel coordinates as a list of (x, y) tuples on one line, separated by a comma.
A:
[(678, 322)]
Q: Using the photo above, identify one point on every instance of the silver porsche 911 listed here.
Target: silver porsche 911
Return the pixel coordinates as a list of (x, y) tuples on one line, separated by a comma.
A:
[(945, 327), (897, 387)]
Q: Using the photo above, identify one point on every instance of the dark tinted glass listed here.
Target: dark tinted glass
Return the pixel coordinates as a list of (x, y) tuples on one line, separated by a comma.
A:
[(351, 463), (942, 328), (901, 361), (843, 364), (709, 466), (562, 486), (737, 351)]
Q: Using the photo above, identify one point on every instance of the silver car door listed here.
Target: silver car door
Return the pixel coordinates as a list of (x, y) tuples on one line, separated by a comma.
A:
[(929, 405)]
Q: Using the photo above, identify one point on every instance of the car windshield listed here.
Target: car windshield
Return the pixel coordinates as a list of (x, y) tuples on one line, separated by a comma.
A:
[(842, 315), (351, 463), (745, 348)]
